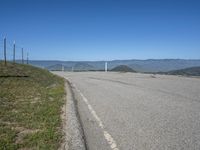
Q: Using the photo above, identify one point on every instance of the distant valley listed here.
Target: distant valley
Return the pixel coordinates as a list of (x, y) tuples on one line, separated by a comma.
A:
[(150, 65)]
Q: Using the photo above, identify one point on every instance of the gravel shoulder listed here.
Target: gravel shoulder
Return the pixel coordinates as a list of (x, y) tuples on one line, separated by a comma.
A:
[(74, 138)]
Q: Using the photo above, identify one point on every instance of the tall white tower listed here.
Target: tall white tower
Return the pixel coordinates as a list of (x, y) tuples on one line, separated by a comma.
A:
[(106, 66)]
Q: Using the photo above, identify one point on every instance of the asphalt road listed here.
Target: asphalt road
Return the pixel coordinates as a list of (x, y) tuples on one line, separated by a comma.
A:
[(128, 111)]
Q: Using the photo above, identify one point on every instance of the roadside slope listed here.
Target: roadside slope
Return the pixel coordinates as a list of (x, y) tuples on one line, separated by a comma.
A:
[(30, 108)]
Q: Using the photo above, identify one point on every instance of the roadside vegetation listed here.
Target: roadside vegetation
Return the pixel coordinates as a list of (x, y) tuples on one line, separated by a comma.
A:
[(30, 108)]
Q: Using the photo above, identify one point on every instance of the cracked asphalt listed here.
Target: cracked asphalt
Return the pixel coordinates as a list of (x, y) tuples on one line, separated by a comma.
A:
[(139, 111)]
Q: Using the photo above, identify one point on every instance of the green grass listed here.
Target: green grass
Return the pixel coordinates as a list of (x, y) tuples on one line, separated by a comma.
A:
[(30, 108)]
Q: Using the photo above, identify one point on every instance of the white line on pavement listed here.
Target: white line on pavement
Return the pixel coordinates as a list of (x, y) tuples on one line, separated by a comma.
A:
[(107, 136)]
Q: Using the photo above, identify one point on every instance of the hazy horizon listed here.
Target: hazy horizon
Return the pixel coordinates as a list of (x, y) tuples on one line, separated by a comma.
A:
[(110, 60)]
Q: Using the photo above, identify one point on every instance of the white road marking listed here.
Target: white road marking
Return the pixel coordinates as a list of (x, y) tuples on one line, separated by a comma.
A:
[(108, 137)]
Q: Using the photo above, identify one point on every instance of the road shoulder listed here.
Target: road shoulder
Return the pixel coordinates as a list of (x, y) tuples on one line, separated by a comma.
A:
[(74, 136)]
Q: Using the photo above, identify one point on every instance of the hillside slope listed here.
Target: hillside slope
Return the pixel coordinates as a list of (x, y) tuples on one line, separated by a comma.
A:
[(193, 71), (123, 68), (30, 106)]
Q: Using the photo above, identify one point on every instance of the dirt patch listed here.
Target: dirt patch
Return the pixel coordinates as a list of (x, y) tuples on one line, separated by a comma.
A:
[(52, 86), (26, 149), (7, 123), (22, 133), (35, 100)]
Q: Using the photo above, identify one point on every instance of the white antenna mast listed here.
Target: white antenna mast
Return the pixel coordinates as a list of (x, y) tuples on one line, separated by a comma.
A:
[(106, 66)]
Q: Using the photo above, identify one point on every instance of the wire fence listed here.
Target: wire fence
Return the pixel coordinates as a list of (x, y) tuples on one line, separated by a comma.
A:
[(12, 52)]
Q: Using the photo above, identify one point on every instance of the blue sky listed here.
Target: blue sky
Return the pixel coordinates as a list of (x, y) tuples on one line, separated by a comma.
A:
[(103, 29)]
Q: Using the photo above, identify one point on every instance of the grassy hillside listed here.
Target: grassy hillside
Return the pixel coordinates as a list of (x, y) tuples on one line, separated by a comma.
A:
[(123, 68), (30, 107)]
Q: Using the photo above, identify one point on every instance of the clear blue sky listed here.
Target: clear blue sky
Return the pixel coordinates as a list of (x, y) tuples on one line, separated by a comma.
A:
[(103, 29)]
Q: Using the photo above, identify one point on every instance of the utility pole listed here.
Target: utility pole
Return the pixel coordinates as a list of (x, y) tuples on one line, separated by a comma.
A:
[(106, 66), (14, 52), (22, 56), (27, 59), (5, 62)]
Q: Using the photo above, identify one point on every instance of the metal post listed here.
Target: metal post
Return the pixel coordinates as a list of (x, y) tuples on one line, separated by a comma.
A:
[(5, 61), (14, 51), (22, 56)]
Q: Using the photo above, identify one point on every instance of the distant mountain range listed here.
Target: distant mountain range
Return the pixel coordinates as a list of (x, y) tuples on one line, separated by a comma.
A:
[(150, 65)]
